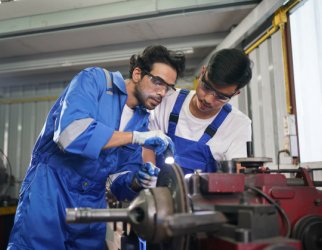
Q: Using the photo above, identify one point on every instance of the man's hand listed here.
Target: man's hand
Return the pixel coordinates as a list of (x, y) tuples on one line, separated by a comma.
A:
[(147, 176), (155, 140)]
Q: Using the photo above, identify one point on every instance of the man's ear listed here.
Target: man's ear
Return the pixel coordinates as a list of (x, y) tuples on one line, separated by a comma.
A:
[(202, 70), (136, 75)]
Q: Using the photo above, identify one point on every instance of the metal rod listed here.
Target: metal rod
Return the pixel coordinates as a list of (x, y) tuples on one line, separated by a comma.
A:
[(85, 215)]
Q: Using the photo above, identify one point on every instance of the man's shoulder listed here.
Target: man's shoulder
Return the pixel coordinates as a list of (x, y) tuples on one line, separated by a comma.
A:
[(102, 71), (93, 70), (96, 73), (170, 98), (239, 115), (168, 102), (107, 78), (173, 96)]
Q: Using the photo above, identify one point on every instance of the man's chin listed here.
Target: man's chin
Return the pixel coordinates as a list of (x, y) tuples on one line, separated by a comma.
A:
[(203, 108), (150, 107)]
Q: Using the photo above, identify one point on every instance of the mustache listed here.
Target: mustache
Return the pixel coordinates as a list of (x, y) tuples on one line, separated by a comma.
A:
[(203, 102), (156, 98)]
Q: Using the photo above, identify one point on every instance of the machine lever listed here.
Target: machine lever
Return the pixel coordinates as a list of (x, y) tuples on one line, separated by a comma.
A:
[(203, 221)]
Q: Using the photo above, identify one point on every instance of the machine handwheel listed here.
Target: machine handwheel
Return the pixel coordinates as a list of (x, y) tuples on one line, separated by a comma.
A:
[(309, 231), (171, 176)]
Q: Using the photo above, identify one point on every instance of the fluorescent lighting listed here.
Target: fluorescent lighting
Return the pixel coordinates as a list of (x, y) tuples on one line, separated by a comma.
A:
[(7, 1)]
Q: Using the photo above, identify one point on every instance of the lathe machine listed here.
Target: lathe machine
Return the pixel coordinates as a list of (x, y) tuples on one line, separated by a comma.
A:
[(256, 209)]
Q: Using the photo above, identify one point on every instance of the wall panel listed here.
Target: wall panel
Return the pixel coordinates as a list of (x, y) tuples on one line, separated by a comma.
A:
[(267, 100), (21, 122)]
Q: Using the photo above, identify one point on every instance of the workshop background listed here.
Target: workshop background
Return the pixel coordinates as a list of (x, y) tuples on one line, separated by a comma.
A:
[(43, 44)]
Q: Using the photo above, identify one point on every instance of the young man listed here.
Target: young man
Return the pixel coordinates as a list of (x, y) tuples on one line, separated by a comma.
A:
[(81, 145), (204, 127)]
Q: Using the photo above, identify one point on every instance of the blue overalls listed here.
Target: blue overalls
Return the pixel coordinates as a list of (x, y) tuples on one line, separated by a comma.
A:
[(70, 169), (129, 158), (191, 155)]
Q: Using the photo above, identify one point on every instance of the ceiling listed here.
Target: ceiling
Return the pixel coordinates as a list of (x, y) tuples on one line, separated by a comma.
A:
[(40, 38)]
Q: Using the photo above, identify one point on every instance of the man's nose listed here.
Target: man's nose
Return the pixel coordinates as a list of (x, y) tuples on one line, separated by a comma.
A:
[(162, 92), (209, 98)]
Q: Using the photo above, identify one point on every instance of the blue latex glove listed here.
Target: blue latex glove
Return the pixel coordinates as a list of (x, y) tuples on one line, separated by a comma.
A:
[(147, 175), (155, 140)]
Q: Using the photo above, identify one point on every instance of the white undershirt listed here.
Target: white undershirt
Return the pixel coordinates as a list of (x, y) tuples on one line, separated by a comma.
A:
[(228, 142), (126, 116)]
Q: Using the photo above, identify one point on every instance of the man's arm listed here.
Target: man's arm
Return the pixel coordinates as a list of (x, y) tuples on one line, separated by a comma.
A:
[(148, 155), (119, 139)]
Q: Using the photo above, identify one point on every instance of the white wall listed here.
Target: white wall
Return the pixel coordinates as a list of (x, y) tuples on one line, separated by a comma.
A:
[(306, 34)]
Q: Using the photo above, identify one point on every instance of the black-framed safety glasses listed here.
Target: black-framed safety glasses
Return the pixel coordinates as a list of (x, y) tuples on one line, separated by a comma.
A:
[(158, 81), (206, 86)]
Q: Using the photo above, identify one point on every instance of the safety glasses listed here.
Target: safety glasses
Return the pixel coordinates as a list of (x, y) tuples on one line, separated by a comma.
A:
[(207, 87), (158, 81)]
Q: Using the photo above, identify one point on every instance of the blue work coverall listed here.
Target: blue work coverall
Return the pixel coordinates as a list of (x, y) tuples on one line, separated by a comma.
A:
[(69, 168)]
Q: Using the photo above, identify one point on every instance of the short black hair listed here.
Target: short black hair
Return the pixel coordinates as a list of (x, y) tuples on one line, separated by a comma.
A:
[(158, 54), (230, 67)]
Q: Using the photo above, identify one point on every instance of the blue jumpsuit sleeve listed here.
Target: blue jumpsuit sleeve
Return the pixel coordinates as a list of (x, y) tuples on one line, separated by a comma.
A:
[(121, 187), (129, 165), (77, 129)]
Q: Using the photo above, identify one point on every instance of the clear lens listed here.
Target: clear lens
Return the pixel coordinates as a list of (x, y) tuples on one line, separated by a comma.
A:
[(161, 83), (157, 81), (220, 97), (213, 92)]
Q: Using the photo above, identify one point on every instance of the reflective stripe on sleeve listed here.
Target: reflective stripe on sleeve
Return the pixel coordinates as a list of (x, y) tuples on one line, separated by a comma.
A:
[(111, 178), (71, 132), (108, 79)]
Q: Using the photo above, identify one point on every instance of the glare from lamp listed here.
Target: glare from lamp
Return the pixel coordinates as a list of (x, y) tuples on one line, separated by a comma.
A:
[(169, 160), (168, 156), (185, 50)]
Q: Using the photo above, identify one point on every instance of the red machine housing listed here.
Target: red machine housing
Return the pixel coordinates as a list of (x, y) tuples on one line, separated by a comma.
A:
[(297, 200)]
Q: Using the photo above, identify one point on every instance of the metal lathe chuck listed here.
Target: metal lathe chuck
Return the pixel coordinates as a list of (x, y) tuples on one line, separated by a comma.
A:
[(158, 215)]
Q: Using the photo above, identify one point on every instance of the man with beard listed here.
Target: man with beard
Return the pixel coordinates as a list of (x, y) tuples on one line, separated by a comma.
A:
[(83, 142)]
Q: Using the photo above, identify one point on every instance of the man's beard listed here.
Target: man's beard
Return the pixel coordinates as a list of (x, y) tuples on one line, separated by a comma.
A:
[(143, 98), (138, 93)]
